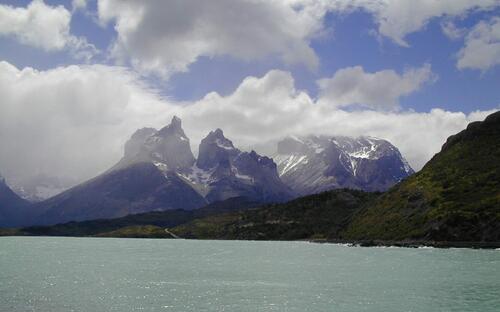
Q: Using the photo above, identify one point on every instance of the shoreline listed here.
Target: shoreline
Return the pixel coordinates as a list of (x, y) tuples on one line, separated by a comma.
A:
[(350, 243), (411, 243)]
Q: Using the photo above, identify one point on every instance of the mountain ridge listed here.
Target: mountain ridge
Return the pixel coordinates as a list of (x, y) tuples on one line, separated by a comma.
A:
[(159, 172), (456, 195), (13, 208), (314, 164)]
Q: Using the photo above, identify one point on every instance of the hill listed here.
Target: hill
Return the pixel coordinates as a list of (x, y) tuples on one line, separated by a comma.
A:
[(150, 224), (455, 197), (319, 216)]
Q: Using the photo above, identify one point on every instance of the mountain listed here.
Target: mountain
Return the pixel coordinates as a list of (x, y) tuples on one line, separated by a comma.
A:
[(318, 163), (145, 179), (168, 148), (139, 187), (13, 209), (223, 171), (40, 187), (158, 172), (455, 197), (453, 201)]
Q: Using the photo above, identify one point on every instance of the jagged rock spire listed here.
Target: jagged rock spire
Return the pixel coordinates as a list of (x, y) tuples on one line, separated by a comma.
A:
[(175, 127), (168, 146), (214, 149)]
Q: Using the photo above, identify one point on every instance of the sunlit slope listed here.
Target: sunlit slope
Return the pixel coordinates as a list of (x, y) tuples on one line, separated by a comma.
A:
[(455, 197)]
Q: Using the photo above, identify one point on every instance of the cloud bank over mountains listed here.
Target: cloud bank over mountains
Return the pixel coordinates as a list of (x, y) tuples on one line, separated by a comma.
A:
[(379, 91), (73, 121)]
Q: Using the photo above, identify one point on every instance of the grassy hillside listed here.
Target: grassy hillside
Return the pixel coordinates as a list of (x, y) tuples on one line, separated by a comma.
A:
[(455, 197), (138, 231), (320, 216)]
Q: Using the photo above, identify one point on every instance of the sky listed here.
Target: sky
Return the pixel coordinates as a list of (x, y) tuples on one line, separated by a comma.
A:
[(77, 78)]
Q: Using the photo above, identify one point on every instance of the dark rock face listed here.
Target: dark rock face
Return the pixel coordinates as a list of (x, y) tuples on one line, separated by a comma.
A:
[(145, 179), (215, 149), (138, 188), (134, 145), (159, 172), (168, 146), (223, 171), (13, 209), (315, 164)]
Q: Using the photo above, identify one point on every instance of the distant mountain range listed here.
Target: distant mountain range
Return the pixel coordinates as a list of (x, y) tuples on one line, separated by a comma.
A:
[(453, 201), (13, 209), (159, 172), (315, 164)]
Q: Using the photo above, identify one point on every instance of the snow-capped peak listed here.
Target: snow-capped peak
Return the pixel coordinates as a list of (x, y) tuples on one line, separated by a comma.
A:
[(323, 162)]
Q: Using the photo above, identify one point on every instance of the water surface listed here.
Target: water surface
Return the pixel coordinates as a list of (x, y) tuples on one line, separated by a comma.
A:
[(106, 274)]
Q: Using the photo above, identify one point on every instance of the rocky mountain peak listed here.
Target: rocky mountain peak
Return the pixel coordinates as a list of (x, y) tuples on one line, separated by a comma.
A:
[(292, 145), (174, 128), (317, 163), (169, 147), (217, 137), (218, 133), (176, 122), (134, 145), (215, 148)]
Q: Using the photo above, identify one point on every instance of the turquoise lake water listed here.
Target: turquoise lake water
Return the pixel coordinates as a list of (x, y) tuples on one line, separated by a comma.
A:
[(106, 274)]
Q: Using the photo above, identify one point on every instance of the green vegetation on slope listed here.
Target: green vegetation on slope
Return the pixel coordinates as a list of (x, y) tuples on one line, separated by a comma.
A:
[(320, 216), (455, 197), (138, 231), (132, 223)]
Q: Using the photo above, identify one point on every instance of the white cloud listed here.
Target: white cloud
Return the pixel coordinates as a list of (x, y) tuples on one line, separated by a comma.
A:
[(482, 46), (269, 108), (379, 90), (43, 26), (165, 37), (79, 4), (396, 18), (54, 121), (69, 121), (452, 31)]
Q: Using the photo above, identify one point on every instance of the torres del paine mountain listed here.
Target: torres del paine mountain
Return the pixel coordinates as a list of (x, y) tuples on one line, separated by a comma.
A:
[(158, 172), (453, 201)]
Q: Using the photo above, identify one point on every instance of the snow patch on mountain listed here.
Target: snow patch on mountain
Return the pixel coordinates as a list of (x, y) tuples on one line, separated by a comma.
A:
[(316, 163), (197, 175), (289, 162)]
